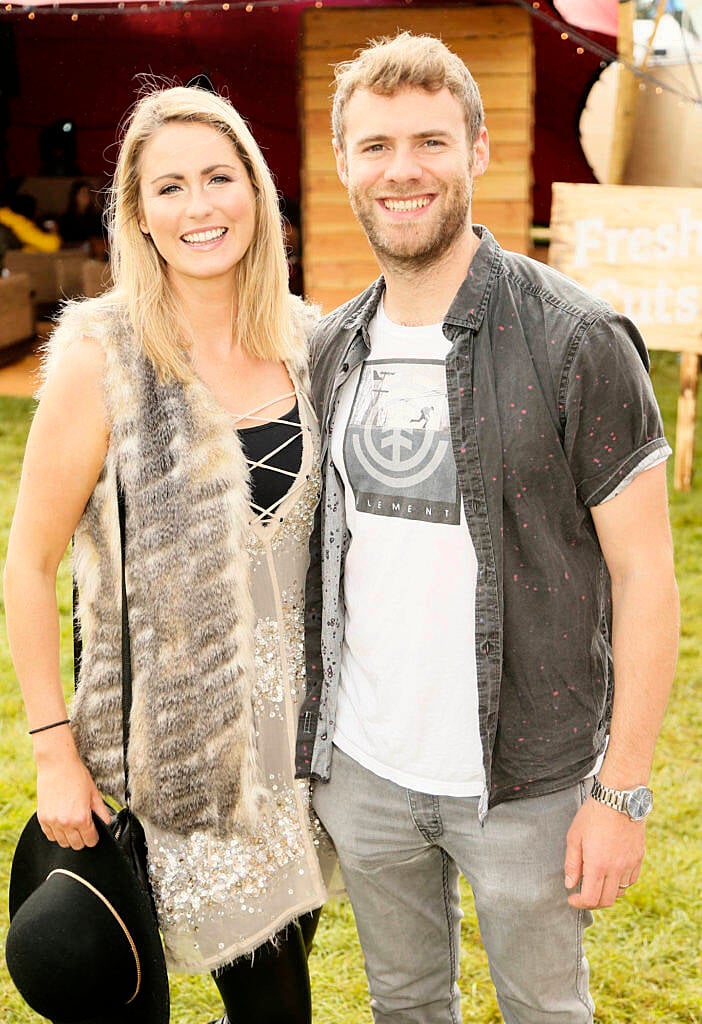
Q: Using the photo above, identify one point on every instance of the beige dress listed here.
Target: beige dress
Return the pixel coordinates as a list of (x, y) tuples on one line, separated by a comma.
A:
[(219, 899)]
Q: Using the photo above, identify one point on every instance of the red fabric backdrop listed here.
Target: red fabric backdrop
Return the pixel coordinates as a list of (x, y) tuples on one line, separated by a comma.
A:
[(88, 71)]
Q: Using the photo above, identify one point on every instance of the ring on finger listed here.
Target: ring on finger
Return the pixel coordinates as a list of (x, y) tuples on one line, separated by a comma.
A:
[(625, 885)]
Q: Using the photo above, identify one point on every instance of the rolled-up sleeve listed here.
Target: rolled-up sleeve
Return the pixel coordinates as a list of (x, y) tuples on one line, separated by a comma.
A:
[(613, 426)]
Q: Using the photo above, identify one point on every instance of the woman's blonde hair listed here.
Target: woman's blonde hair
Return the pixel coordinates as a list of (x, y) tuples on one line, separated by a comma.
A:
[(407, 61), (263, 324)]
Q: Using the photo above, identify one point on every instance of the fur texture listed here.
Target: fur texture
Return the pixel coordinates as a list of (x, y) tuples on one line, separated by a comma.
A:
[(192, 753)]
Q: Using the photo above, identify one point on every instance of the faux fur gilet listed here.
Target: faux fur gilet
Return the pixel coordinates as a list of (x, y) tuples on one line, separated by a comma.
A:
[(192, 751)]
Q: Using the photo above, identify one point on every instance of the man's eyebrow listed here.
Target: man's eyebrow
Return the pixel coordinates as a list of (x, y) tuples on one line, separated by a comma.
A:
[(430, 133), (177, 176)]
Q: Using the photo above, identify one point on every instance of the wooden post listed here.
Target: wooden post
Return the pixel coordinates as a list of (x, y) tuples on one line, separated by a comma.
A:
[(685, 429), (627, 92), (660, 11)]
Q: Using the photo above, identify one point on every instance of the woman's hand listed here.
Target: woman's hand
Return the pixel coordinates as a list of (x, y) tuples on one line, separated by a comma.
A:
[(66, 800)]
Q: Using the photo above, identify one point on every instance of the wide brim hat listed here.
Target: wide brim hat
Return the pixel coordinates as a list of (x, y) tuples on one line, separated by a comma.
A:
[(83, 945)]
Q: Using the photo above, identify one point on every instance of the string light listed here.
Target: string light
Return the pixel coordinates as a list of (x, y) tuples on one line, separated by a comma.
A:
[(534, 7)]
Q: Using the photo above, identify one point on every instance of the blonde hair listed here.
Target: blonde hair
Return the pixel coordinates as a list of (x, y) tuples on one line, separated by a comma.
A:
[(406, 61), (263, 322)]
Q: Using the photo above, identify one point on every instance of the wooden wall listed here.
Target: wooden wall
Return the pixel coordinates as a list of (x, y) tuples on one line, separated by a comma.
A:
[(496, 44)]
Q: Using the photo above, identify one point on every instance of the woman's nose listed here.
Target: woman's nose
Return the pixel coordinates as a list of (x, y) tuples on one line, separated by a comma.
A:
[(199, 203)]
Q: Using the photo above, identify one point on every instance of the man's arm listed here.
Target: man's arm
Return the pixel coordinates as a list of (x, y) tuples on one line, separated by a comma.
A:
[(605, 848)]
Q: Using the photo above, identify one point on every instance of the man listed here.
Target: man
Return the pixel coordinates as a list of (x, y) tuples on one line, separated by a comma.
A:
[(462, 732)]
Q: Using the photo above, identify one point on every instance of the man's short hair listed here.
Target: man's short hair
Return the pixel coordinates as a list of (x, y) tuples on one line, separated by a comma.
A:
[(406, 61)]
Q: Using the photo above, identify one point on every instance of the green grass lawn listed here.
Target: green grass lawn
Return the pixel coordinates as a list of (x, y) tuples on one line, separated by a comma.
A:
[(644, 952)]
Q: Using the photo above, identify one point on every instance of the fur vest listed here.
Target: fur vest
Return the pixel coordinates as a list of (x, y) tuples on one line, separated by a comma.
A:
[(192, 750)]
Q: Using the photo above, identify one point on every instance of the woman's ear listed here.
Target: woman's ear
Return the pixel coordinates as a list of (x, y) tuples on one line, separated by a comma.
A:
[(141, 221)]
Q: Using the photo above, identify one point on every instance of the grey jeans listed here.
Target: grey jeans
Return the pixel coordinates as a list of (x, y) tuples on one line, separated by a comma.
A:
[(401, 853)]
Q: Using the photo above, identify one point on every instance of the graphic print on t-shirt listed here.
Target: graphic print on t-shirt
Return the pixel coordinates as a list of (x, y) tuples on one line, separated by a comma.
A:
[(397, 447)]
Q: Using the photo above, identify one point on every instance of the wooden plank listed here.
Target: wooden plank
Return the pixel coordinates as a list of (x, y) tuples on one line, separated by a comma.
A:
[(329, 298), (323, 248), (332, 218), (500, 91), (685, 427), (505, 157), (503, 125), (507, 186), (481, 55), (353, 28)]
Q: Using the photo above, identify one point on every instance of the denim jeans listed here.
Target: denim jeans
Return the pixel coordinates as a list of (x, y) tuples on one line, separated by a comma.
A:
[(401, 853)]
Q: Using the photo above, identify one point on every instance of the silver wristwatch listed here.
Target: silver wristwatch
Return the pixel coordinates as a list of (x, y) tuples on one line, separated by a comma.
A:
[(637, 803)]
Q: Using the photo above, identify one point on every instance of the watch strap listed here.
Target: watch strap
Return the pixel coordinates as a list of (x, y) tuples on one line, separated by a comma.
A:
[(615, 798)]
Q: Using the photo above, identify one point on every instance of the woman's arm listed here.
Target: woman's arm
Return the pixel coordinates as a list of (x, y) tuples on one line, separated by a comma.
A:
[(65, 453)]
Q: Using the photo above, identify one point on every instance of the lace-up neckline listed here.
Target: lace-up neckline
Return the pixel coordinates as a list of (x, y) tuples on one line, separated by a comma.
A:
[(264, 515)]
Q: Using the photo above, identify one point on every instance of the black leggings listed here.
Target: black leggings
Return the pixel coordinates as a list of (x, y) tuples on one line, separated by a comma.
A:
[(273, 986)]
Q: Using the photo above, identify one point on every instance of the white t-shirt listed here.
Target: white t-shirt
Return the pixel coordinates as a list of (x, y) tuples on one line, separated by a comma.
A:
[(408, 703)]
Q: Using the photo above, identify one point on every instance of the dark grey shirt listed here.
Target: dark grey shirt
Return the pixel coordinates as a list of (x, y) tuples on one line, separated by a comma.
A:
[(552, 412)]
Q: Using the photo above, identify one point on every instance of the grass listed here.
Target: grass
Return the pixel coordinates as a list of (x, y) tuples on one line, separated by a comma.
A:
[(644, 952)]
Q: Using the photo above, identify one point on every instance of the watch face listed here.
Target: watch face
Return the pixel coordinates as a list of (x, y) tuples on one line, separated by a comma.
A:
[(640, 803)]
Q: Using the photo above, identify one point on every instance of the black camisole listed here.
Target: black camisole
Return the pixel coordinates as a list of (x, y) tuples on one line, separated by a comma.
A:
[(274, 453)]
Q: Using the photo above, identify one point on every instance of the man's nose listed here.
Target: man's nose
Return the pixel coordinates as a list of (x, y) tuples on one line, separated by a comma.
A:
[(404, 165)]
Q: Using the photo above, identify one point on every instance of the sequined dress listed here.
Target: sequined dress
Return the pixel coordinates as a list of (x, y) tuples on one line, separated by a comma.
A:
[(220, 899)]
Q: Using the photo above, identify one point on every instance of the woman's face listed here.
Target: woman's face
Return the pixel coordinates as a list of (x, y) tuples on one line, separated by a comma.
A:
[(196, 201)]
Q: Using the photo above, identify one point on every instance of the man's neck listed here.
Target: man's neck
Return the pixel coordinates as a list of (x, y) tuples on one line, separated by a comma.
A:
[(414, 297)]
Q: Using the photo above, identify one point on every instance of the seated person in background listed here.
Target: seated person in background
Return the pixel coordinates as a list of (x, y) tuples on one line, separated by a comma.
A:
[(17, 216), (81, 224)]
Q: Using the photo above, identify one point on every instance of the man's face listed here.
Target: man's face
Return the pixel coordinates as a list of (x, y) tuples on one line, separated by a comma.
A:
[(409, 171)]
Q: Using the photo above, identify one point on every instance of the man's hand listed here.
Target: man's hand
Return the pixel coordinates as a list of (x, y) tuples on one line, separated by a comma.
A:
[(604, 853)]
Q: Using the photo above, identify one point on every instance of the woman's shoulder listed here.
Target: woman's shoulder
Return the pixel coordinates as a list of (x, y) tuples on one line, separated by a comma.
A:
[(304, 316), (101, 322)]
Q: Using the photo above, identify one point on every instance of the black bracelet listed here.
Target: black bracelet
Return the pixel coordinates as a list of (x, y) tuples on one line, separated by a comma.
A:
[(43, 728)]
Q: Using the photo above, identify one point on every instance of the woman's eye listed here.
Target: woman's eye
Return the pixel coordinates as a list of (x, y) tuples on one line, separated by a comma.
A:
[(168, 190), (220, 179)]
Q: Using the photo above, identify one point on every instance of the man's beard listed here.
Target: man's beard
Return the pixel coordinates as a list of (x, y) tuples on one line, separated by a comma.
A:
[(409, 247)]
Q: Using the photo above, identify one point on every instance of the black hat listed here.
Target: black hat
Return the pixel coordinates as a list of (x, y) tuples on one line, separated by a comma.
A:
[(83, 946)]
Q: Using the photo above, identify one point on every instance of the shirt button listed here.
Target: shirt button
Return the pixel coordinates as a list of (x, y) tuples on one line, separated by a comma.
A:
[(486, 647), (345, 368), (323, 736)]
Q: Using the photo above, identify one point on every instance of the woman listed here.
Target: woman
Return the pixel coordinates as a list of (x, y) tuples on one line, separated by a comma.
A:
[(187, 382)]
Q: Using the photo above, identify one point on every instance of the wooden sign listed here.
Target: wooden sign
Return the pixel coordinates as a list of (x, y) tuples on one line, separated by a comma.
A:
[(640, 248)]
